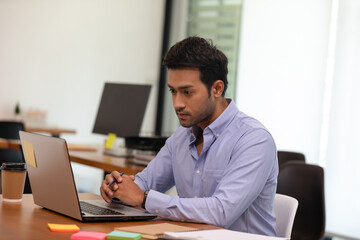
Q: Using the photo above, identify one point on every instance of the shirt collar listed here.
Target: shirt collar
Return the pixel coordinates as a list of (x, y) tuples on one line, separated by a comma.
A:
[(220, 123)]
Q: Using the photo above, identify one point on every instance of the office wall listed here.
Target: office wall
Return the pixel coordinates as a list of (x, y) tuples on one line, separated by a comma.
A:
[(342, 165), (282, 69), (56, 56)]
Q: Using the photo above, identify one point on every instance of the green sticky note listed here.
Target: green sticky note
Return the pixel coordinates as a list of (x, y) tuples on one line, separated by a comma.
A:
[(123, 235)]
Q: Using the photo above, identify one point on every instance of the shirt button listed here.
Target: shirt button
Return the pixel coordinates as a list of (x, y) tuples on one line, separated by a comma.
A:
[(157, 211), (195, 196), (197, 171), (217, 135)]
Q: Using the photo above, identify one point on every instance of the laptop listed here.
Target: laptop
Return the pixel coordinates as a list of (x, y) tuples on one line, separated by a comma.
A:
[(53, 186)]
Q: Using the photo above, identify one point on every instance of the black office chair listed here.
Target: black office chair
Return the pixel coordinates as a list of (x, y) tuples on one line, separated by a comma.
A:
[(10, 130), (284, 156), (305, 182)]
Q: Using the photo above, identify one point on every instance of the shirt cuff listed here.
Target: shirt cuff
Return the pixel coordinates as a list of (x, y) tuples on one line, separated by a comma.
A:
[(157, 202)]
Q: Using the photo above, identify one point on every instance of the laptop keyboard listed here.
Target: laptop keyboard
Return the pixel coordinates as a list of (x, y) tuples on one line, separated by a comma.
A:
[(96, 210)]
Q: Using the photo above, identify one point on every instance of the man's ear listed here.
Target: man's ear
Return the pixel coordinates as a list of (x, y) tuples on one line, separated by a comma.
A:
[(217, 88)]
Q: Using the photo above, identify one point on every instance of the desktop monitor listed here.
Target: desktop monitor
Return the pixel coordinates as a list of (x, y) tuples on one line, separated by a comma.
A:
[(121, 110)]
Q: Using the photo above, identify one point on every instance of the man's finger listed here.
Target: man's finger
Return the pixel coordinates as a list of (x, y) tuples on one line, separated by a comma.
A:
[(104, 195)]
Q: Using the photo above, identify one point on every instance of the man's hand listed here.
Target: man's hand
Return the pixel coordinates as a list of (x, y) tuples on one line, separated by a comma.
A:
[(129, 192), (124, 189)]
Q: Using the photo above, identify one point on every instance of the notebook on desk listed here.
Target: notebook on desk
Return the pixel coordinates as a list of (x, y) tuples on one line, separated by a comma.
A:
[(53, 186)]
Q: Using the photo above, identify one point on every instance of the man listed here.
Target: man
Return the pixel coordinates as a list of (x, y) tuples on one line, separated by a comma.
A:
[(222, 162)]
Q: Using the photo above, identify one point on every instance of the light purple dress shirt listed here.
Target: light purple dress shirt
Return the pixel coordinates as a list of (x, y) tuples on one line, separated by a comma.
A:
[(231, 184)]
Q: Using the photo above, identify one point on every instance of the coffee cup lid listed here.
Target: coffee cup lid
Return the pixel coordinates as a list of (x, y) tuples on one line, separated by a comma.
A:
[(13, 166)]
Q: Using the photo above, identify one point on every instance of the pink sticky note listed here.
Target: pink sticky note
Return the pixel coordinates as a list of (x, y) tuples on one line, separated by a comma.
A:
[(88, 236)]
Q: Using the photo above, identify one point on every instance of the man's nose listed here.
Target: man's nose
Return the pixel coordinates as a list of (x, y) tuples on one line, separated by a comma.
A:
[(178, 102)]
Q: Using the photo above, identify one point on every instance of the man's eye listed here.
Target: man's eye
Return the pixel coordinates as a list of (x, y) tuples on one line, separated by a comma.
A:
[(187, 92), (172, 91)]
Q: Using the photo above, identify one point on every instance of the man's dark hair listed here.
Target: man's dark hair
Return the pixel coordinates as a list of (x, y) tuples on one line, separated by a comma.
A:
[(202, 54)]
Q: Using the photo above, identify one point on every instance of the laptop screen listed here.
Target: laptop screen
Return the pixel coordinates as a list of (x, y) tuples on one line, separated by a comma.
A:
[(50, 173)]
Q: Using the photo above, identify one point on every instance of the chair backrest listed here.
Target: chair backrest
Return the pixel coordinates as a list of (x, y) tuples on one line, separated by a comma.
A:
[(10, 130), (284, 156), (285, 210), (305, 182)]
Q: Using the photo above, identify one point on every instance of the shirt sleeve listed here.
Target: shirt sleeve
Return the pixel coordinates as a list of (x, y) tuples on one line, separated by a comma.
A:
[(242, 182), (158, 175)]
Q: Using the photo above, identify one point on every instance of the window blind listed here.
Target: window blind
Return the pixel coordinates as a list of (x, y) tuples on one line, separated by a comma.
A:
[(218, 20)]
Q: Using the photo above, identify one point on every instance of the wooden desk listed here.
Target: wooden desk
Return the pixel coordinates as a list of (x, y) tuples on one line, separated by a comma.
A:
[(27, 221), (4, 143), (54, 131), (107, 163), (8, 143)]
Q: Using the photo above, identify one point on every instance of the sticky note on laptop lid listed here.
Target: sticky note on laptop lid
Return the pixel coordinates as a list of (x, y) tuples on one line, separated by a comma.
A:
[(29, 154), (123, 235), (88, 236), (63, 227)]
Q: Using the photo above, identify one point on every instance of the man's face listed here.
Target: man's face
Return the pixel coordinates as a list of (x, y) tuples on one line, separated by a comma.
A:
[(191, 99)]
